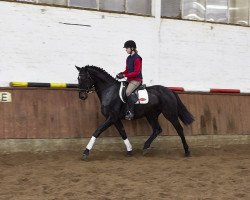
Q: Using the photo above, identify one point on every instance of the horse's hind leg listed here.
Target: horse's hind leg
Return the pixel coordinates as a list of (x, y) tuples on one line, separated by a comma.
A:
[(180, 132), (153, 121)]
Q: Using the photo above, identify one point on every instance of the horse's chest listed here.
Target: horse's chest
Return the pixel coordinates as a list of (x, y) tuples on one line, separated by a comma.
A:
[(106, 109)]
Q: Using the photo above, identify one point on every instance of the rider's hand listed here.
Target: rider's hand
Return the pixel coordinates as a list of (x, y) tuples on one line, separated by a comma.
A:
[(120, 76)]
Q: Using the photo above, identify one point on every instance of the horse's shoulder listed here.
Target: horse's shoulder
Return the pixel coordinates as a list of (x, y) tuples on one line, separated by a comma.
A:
[(110, 94)]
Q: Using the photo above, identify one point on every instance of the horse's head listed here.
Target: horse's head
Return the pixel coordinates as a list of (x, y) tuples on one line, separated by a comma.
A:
[(85, 82)]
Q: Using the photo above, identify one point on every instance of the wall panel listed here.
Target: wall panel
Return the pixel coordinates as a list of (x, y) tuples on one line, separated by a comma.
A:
[(58, 113)]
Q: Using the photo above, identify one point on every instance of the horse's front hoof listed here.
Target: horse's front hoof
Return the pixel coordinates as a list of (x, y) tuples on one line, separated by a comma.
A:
[(84, 157), (145, 151), (187, 154), (85, 154), (129, 153)]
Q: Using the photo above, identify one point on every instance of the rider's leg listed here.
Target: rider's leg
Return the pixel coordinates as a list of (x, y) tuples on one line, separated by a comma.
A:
[(131, 87)]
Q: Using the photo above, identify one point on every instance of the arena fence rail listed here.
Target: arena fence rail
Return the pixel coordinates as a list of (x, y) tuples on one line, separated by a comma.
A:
[(72, 85)]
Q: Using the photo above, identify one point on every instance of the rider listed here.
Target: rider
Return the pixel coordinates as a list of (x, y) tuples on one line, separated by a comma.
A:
[(133, 72)]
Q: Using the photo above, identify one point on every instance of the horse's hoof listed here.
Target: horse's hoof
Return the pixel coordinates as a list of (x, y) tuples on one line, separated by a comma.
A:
[(84, 157), (145, 151), (129, 153), (85, 154), (187, 154)]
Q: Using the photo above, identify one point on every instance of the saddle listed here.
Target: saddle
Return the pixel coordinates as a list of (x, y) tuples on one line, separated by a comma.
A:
[(139, 96)]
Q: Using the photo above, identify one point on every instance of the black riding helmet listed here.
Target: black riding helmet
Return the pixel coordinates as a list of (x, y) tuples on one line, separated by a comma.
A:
[(130, 44)]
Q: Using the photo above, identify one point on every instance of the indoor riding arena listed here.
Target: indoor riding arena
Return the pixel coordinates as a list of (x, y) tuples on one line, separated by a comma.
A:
[(199, 49)]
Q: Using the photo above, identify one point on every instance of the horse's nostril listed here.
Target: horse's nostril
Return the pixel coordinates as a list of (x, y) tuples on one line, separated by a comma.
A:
[(83, 95)]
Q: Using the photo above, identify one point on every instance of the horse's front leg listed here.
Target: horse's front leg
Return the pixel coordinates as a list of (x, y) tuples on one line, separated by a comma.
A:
[(119, 126), (95, 135)]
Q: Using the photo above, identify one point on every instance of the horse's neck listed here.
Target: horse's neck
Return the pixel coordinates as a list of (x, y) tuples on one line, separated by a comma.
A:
[(102, 81), (101, 84)]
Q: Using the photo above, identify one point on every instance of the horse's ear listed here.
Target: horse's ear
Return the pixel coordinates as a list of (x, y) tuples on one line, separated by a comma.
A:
[(78, 68)]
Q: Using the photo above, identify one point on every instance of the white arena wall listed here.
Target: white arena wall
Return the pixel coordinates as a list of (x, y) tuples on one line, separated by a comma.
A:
[(41, 44)]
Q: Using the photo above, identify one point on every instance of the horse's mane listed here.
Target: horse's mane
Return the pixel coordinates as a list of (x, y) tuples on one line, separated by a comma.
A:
[(100, 70)]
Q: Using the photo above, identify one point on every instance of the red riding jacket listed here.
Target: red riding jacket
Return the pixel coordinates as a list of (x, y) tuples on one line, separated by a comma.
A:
[(133, 68)]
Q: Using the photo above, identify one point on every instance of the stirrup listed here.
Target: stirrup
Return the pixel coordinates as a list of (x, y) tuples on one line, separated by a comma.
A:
[(129, 115)]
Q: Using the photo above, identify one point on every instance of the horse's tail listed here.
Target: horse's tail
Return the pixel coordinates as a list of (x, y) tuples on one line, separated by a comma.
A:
[(185, 116)]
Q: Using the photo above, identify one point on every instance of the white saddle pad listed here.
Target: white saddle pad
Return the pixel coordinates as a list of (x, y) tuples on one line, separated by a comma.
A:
[(143, 97)]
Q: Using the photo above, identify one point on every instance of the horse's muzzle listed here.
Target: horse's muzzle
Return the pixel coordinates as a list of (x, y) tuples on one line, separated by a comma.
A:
[(83, 95)]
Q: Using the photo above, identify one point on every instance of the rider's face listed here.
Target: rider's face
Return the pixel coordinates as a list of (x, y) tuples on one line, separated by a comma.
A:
[(129, 50)]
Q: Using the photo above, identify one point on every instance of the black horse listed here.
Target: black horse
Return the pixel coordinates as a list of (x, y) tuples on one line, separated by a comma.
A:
[(161, 100)]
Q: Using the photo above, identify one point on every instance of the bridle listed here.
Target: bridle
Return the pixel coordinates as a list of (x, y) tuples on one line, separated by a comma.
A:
[(90, 87)]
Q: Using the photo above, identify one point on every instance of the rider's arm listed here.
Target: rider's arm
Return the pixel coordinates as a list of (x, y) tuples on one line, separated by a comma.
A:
[(137, 69), (124, 72)]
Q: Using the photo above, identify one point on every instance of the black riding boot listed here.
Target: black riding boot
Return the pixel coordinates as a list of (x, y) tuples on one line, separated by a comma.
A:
[(130, 110)]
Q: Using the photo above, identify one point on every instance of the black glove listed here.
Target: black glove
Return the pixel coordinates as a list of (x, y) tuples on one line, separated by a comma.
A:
[(120, 76)]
